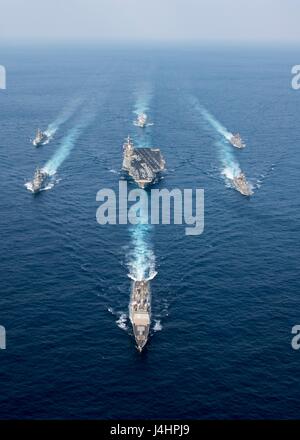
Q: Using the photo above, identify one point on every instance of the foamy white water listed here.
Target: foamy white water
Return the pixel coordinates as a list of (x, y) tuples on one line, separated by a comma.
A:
[(49, 184), (141, 259), (157, 326), (122, 321)]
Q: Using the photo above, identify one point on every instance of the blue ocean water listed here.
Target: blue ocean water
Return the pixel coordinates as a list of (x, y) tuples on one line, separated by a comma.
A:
[(223, 302)]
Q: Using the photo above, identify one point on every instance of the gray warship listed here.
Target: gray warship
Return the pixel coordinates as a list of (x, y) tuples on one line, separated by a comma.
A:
[(41, 138), (242, 185), (141, 120), (237, 141), (142, 164), (39, 178), (140, 311)]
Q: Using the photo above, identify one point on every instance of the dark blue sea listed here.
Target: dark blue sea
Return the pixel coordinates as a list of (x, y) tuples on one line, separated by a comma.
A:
[(223, 302)]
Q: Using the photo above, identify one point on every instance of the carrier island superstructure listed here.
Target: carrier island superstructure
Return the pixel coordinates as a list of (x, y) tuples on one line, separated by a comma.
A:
[(142, 164)]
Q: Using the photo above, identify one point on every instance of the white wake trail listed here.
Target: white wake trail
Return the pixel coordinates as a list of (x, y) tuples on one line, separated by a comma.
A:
[(67, 145), (141, 260), (230, 165), (216, 124), (143, 98), (64, 116)]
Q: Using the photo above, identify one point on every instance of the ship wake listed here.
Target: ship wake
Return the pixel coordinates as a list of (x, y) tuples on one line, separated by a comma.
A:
[(216, 124), (143, 98), (64, 116), (121, 318), (157, 325), (230, 165), (67, 145), (141, 259)]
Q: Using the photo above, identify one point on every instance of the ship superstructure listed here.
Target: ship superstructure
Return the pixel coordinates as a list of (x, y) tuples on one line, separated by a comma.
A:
[(41, 138), (38, 180), (237, 141), (142, 164), (140, 311), (241, 185), (141, 120)]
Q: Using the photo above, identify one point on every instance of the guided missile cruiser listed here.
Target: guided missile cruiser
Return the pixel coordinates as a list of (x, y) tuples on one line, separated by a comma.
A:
[(237, 141), (142, 164), (140, 312), (141, 120), (242, 185), (41, 138), (39, 178)]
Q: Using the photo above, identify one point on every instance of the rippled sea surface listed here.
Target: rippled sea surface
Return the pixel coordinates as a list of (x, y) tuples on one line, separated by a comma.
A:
[(223, 302)]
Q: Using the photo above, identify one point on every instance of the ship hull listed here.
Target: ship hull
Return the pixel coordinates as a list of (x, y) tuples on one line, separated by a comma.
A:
[(240, 147), (39, 143), (43, 141), (139, 124), (140, 312), (32, 189), (144, 183), (245, 192), (141, 340)]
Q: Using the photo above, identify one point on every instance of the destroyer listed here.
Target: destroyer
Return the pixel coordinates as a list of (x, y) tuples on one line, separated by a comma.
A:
[(41, 138), (242, 185), (36, 184), (140, 312), (237, 141), (141, 120), (142, 164)]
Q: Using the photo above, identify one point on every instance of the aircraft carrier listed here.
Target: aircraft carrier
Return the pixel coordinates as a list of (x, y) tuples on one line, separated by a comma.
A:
[(142, 164), (140, 311)]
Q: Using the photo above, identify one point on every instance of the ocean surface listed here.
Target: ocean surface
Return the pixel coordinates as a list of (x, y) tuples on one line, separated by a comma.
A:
[(223, 303)]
